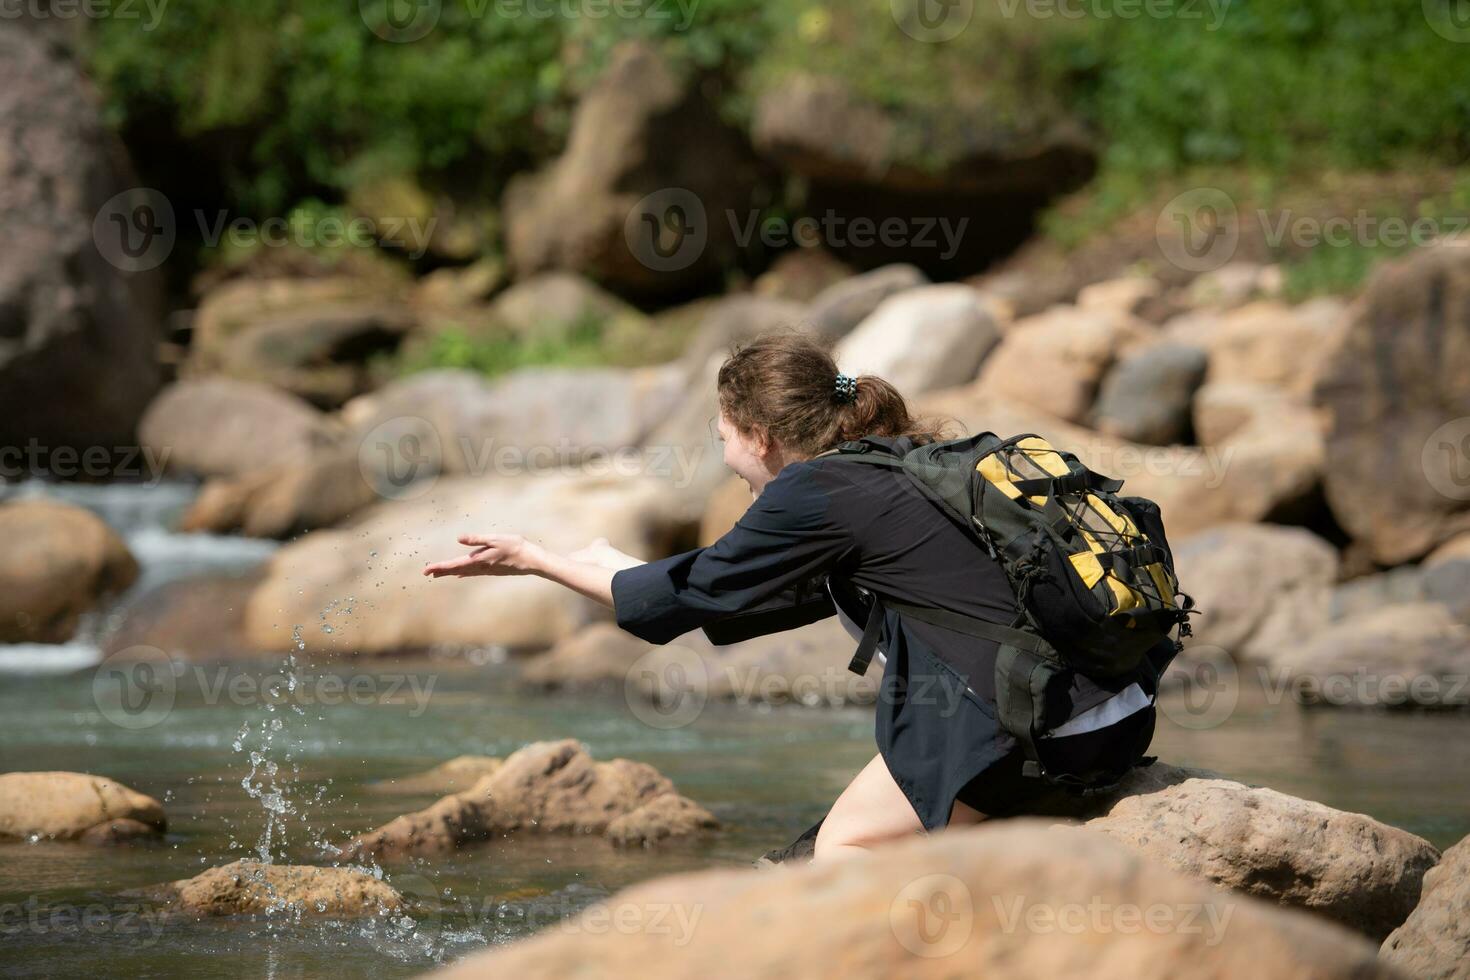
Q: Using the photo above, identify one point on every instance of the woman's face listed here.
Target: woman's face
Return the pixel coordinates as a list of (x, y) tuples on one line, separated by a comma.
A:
[(753, 459)]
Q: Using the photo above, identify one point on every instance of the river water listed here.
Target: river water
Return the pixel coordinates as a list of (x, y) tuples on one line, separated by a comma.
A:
[(277, 758)]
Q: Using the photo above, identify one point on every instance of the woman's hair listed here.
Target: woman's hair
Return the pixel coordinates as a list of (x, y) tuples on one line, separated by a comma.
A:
[(785, 384)]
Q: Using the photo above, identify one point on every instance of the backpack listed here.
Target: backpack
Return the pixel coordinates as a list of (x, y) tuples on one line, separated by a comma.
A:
[(1092, 572)]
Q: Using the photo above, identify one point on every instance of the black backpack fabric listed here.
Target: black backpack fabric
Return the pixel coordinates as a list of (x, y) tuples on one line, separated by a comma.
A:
[(1092, 572)]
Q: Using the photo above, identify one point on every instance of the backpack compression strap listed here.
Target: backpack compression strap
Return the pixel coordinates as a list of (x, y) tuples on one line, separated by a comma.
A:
[(969, 625)]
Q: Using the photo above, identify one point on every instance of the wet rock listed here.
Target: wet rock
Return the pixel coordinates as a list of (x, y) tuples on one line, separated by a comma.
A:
[(546, 787), (836, 310), (455, 776), (1407, 655), (669, 815), (79, 335), (362, 589), (1016, 899), (641, 130), (921, 339), (1344, 866), (115, 832), (1147, 395), (252, 888), (1261, 588), (225, 427), (201, 617), (1394, 390), (74, 806), (59, 561), (1056, 360), (1434, 942)]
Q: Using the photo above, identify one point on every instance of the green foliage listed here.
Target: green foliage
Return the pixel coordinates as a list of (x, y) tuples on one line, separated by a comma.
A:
[(294, 100), (322, 102)]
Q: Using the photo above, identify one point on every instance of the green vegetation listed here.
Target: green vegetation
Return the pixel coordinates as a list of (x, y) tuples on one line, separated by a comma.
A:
[(290, 101)]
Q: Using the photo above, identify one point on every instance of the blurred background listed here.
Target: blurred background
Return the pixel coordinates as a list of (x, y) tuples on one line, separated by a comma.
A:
[(293, 293)]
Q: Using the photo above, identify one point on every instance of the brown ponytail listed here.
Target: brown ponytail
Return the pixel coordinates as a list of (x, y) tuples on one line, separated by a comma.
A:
[(785, 384)]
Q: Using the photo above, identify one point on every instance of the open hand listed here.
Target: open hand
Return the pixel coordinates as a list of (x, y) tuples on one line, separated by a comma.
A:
[(490, 554)]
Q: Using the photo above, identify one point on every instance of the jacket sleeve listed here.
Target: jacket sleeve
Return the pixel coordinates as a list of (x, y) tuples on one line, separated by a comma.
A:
[(764, 575)]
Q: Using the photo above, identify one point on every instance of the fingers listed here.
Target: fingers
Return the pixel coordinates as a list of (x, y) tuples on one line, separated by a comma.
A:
[(466, 565), (480, 539)]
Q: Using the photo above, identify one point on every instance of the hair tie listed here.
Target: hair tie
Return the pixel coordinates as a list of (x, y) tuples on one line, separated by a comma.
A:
[(845, 388)]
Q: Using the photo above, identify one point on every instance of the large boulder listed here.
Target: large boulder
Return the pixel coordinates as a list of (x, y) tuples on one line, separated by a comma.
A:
[(362, 589), (536, 418), (641, 198), (1345, 866), (806, 666), (876, 175), (1397, 391), (252, 888), (1406, 655), (59, 560), (289, 499), (1055, 361), (79, 331), (836, 310), (1261, 588), (1266, 342), (1012, 900), (72, 806), (1434, 942), (801, 274), (1147, 395), (225, 427), (313, 337), (921, 339), (195, 618), (543, 304), (546, 787)]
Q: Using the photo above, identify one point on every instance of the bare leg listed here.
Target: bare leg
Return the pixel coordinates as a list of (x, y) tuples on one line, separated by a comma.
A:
[(872, 809)]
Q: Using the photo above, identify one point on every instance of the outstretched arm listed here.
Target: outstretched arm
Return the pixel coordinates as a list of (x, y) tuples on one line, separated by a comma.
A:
[(511, 554)]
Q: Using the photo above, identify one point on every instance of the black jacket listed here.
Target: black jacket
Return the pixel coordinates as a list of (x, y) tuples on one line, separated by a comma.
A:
[(861, 526)]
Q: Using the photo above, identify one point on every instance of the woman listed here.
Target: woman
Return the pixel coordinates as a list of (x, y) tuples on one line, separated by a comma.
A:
[(822, 534)]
